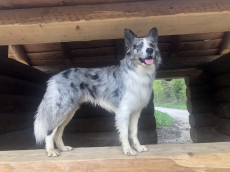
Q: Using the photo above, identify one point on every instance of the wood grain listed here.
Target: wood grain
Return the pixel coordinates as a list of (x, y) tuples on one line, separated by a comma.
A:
[(192, 157), (107, 21)]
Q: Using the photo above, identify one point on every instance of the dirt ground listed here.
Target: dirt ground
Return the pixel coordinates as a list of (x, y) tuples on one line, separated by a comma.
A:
[(178, 133)]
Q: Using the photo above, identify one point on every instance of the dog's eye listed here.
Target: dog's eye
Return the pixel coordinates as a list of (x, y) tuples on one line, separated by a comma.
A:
[(139, 46), (151, 45), (134, 46)]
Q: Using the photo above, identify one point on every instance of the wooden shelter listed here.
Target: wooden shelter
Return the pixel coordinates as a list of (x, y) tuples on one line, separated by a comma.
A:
[(40, 38)]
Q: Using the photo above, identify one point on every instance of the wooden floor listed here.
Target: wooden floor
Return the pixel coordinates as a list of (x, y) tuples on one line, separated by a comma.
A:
[(171, 158)]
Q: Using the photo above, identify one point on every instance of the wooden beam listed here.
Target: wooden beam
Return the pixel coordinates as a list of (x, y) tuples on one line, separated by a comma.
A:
[(20, 54), (182, 157), (107, 21), (66, 52), (167, 64), (225, 46), (174, 46)]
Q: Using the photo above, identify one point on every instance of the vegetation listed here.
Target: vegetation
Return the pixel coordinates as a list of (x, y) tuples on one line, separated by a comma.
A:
[(170, 94), (162, 119)]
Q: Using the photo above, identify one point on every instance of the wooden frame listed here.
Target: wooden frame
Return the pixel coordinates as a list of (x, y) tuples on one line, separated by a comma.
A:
[(183, 157), (107, 21)]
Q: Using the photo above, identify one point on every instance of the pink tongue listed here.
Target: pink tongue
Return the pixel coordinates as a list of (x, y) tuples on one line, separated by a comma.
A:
[(149, 61)]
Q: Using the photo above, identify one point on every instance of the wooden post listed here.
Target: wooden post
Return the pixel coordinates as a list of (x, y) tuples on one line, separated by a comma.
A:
[(202, 120), (198, 92), (222, 95)]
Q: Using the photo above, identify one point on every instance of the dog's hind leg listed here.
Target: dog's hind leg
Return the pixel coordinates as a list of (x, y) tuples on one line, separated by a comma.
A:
[(133, 128), (50, 143), (59, 133)]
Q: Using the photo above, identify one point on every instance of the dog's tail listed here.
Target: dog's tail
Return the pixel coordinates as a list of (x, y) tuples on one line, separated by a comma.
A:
[(40, 129)]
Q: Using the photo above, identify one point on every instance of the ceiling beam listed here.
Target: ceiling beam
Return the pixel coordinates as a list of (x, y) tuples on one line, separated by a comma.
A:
[(20, 54), (225, 45), (107, 21)]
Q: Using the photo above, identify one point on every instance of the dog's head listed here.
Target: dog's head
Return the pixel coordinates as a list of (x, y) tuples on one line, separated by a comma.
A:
[(142, 51)]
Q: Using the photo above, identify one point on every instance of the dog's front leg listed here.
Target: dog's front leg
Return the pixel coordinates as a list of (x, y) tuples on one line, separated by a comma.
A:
[(133, 128), (122, 124)]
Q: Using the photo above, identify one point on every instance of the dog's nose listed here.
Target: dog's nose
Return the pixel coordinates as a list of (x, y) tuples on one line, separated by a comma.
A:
[(149, 50)]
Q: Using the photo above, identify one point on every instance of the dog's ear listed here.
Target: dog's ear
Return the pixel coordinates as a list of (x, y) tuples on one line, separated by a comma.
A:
[(153, 34), (129, 37)]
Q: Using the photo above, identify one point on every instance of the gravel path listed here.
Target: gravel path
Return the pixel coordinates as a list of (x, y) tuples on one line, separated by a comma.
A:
[(179, 131)]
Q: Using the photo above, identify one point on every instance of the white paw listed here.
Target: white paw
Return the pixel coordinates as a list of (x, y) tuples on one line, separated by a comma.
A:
[(53, 153), (140, 148), (66, 148), (129, 151)]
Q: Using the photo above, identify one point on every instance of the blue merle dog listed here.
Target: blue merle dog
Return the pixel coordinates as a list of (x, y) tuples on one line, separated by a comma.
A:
[(124, 89)]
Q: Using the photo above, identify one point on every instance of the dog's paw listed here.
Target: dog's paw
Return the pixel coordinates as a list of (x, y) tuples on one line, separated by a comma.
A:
[(129, 151), (53, 153), (140, 148), (66, 148)]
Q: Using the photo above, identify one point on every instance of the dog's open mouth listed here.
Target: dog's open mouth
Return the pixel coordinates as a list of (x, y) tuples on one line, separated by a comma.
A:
[(148, 61)]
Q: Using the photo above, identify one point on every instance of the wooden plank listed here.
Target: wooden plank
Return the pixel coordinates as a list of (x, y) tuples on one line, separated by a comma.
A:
[(174, 46), (87, 22), (198, 92), (202, 120), (91, 44), (167, 64), (201, 36), (65, 50), (36, 48), (222, 95), (200, 45), (188, 157), (207, 134), (20, 54), (186, 62), (4, 51), (18, 103), (194, 53), (219, 65), (15, 121), (12, 68), (225, 46), (15, 86), (75, 60), (5, 5), (199, 78)]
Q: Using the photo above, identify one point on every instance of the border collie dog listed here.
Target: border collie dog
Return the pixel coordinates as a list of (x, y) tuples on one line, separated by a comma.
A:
[(124, 89)]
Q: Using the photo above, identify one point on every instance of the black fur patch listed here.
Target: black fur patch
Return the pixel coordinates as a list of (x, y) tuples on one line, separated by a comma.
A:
[(66, 73), (83, 85), (73, 86), (49, 132), (72, 100), (94, 77), (114, 75), (151, 45), (116, 92), (134, 46), (58, 104), (92, 92)]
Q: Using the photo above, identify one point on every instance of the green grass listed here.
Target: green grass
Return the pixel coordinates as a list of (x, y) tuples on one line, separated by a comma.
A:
[(162, 119), (170, 105)]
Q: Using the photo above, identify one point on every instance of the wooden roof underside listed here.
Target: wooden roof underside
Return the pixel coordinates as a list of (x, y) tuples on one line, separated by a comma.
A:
[(60, 34)]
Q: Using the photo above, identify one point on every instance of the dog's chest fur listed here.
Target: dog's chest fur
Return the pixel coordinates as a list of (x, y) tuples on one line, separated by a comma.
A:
[(138, 88)]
